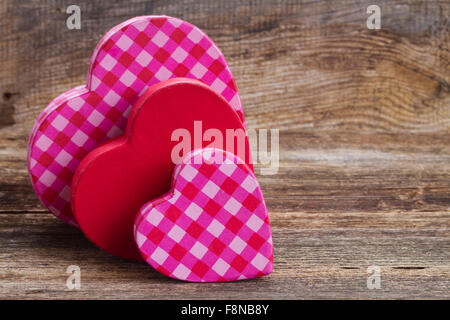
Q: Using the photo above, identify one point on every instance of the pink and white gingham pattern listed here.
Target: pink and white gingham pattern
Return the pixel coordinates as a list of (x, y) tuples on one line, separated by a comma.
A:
[(212, 226), (131, 57)]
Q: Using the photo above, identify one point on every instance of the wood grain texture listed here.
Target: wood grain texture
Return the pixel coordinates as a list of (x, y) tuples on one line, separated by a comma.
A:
[(364, 119)]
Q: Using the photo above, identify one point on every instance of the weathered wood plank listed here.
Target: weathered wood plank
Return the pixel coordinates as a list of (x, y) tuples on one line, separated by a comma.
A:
[(316, 59), (316, 256), (319, 172)]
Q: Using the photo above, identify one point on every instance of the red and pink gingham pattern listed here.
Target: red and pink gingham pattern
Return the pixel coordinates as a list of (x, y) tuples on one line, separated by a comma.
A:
[(212, 226), (131, 57)]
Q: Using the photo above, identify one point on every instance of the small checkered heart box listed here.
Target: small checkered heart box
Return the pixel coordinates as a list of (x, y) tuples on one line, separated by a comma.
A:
[(114, 180), (132, 56), (212, 226)]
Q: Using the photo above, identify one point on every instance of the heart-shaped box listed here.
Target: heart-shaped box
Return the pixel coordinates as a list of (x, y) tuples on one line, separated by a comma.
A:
[(131, 57), (211, 226), (114, 180)]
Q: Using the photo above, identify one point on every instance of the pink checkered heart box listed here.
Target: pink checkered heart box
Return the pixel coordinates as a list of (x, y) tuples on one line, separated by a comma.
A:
[(131, 57), (212, 226)]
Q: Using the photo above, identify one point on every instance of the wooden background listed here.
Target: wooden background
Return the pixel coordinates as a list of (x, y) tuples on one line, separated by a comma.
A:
[(364, 119)]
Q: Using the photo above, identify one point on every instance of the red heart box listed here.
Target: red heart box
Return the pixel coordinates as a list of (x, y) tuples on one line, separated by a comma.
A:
[(114, 180)]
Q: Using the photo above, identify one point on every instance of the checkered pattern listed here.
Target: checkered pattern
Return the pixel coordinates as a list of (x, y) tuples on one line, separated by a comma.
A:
[(131, 57), (213, 226)]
